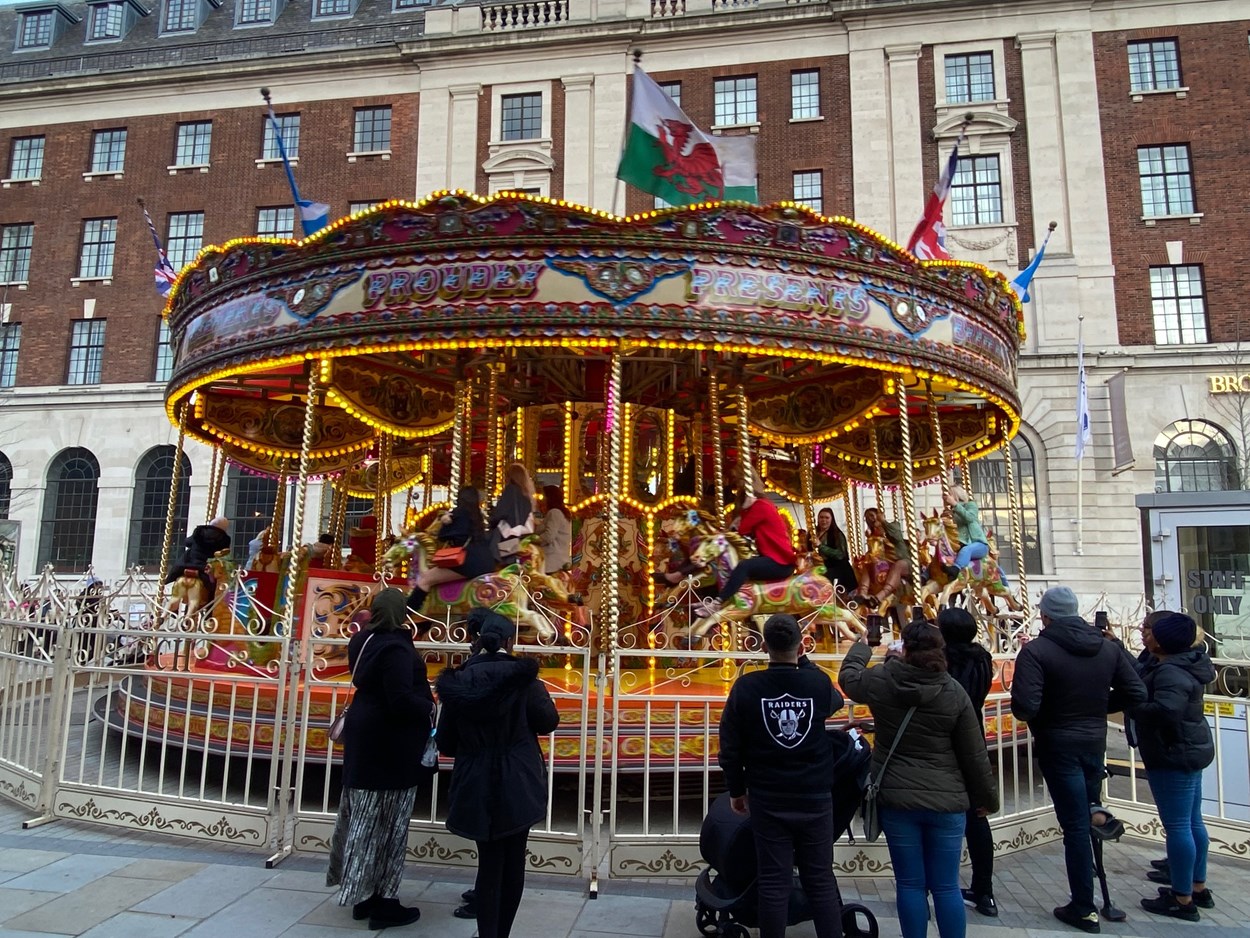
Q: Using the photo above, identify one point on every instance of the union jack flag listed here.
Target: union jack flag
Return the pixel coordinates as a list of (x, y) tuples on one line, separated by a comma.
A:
[(164, 272)]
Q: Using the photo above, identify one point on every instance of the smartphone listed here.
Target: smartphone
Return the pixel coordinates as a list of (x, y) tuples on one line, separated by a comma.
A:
[(1101, 622), (874, 630)]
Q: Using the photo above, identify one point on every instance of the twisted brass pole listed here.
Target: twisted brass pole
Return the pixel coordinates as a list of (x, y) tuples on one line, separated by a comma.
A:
[(457, 442), (908, 478), (171, 511), (301, 496), (935, 421), (1017, 528), (718, 450), (876, 467), (611, 608)]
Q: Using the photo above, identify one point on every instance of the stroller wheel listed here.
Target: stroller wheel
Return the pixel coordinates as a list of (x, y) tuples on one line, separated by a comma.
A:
[(705, 920), (859, 922), (734, 930)]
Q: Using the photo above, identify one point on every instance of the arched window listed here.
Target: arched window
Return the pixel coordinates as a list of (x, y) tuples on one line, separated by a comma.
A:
[(150, 504), (989, 488), (6, 485), (249, 506), (1195, 456), (67, 534)]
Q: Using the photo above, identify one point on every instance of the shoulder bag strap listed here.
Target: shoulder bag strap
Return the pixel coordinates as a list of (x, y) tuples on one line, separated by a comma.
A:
[(902, 728), (368, 639)]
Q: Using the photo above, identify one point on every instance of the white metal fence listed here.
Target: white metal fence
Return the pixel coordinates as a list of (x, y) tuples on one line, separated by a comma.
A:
[(216, 730)]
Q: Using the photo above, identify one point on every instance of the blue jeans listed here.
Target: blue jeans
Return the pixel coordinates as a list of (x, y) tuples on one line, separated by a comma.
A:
[(924, 848), (970, 552), (1074, 778), (1178, 796)]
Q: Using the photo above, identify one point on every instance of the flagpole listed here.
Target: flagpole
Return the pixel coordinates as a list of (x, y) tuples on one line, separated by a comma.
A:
[(621, 186), (1080, 467)]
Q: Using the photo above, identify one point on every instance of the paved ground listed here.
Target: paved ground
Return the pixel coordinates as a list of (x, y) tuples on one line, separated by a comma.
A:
[(70, 879)]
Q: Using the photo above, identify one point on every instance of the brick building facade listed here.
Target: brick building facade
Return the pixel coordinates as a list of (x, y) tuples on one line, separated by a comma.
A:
[(1121, 121)]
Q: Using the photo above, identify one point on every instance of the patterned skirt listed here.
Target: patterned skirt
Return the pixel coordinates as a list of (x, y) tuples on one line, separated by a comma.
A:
[(369, 842)]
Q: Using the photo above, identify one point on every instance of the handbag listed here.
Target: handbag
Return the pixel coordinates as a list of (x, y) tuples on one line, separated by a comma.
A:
[(448, 557), (340, 721), (870, 809), (429, 757)]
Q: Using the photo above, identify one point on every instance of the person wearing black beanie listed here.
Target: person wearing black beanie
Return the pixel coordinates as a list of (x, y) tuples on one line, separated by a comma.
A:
[(1176, 745), (972, 667), (494, 709)]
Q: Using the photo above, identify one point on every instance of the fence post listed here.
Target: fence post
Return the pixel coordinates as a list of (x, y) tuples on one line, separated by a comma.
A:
[(60, 694)]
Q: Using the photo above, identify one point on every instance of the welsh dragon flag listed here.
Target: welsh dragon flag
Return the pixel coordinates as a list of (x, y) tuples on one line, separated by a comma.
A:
[(668, 156)]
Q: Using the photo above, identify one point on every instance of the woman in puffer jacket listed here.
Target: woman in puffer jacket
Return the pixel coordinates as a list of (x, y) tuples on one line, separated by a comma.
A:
[(1176, 745)]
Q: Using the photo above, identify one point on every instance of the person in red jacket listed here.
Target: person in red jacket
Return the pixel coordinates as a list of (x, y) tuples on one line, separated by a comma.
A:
[(758, 519)]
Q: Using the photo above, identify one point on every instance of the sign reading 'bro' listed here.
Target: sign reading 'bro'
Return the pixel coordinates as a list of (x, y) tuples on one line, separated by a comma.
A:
[(1228, 384)]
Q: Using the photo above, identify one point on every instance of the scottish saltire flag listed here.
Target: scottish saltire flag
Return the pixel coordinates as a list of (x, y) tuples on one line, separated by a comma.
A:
[(1083, 433), (667, 155), (312, 215), (164, 272), (928, 241), (1021, 283)]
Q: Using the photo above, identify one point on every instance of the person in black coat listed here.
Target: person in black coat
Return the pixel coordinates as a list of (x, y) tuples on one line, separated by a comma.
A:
[(972, 667), (494, 709), (461, 527), (513, 515), (1172, 734), (1062, 688), (384, 736), (205, 542), (834, 552)]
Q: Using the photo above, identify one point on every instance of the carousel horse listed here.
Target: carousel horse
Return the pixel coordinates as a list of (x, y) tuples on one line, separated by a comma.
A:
[(505, 591), (984, 578), (872, 569), (188, 594), (685, 533), (802, 595)]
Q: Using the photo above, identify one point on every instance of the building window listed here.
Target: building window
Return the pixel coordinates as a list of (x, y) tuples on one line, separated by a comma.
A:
[(332, 7), (181, 15), (373, 130), (67, 532), (194, 142), (1179, 305), (354, 207), (26, 158), (411, 4), (108, 20), (356, 509), (255, 11), (276, 222), (673, 90), (809, 189), (108, 151), (86, 351), (1154, 65), (522, 116), (734, 101), (1195, 456), (288, 126), (154, 477), (36, 32), (99, 238), (976, 192), (1167, 183), (804, 94), (186, 237), (164, 353), (6, 486), (15, 244), (970, 78), (989, 485), (249, 506), (10, 344)]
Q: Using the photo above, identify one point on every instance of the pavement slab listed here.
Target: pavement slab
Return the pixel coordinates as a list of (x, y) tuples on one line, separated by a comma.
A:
[(77, 911), (141, 925), (68, 873)]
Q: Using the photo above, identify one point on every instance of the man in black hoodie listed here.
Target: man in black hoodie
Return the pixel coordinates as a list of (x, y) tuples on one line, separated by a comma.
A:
[(1062, 686), (773, 746)]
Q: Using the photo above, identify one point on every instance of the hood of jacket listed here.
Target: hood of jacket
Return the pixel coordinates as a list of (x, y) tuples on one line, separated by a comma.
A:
[(1074, 635), (913, 686), (481, 681), (389, 610), (1195, 662)]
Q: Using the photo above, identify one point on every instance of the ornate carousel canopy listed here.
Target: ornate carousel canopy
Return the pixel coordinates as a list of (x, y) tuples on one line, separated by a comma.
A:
[(828, 328)]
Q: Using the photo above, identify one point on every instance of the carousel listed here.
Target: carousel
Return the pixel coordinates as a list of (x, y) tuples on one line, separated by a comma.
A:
[(638, 369)]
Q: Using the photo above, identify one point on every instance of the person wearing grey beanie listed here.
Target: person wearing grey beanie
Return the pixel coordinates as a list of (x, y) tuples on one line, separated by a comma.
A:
[(1175, 743), (1062, 688)]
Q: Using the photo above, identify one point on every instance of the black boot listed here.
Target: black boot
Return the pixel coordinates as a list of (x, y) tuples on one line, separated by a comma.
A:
[(388, 913), (416, 599), (361, 910)]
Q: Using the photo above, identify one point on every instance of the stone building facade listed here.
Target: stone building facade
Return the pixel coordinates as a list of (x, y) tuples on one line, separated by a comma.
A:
[(1120, 120)]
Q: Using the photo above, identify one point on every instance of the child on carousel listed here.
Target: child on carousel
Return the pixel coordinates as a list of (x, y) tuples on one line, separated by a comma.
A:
[(759, 519), (968, 525)]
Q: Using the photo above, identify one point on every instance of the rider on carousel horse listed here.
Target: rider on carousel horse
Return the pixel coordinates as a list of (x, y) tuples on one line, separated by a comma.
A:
[(758, 519), (968, 524), (898, 554), (205, 543)]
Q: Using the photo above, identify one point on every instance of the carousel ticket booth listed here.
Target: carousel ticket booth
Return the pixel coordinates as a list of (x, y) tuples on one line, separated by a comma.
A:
[(1196, 550)]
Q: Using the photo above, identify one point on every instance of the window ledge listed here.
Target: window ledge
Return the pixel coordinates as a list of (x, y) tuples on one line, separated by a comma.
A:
[(20, 284), (79, 281), (993, 103), (173, 170), (807, 120), (544, 143), (1181, 92), (87, 177), (753, 127), (29, 181), (357, 154), (277, 161), (1152, 220)]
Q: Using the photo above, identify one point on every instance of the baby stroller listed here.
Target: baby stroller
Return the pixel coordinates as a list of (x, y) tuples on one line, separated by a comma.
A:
[(725, 897)]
